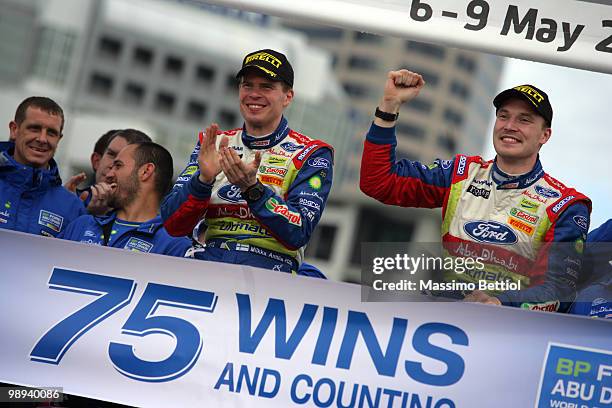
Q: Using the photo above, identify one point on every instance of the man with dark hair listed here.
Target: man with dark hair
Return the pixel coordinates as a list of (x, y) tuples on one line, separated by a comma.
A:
[(96, 195), (94, 159), (261, 189), (526, 227), (32, 198), (141, 174), (100, 148)]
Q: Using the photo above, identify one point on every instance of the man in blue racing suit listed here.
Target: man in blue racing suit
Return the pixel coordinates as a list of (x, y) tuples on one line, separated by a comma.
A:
[(261, 189), (32, 198), (141, 175)]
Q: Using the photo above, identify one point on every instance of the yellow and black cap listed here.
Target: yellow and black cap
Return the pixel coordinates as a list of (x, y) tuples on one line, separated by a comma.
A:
[(272, 63), (537, 98)]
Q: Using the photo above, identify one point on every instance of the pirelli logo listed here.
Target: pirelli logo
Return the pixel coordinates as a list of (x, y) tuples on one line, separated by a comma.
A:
[(271, 180), (263, 56), (521, 226), (535, 95)]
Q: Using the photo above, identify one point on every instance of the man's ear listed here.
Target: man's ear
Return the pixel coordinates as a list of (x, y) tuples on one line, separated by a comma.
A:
[(13, 126), (546, 134), (288, 98), (146, 171)]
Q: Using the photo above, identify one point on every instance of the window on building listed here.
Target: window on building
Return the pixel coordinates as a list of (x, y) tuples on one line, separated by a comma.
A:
[(320, 32), (204, 73), (231, 83), (367, 38), (447, 141), (227, 119), (466, 63), (376, 226), (174, 66), (322, 242), (459, 89), (101, 84), (356, 90), (133, 93), (362, 63), (420, 104), (429, 50), (196, 110), (165, 102), (109, 47), (142, 57), (410, 130), (431, 78), (453, 117)]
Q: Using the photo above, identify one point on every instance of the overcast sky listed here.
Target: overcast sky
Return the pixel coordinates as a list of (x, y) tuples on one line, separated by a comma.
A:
[(579, 152)]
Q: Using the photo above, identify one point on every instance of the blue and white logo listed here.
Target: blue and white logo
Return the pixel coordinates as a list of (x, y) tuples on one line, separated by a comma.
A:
[(581, 221), (138, 245), (547, 192), (461, 166), (230, 192), (290, 147), (320, 162), (51, 220), (446, 164), (490, 231)]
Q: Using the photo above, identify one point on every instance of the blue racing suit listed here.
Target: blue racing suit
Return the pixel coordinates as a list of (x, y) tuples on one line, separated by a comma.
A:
[(509, 222), (33, 200), (271, 232), (595, 300), (149, 236)]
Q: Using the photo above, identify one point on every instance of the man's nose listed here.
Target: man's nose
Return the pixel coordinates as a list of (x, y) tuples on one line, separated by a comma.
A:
[(43, 137), (510, 124)]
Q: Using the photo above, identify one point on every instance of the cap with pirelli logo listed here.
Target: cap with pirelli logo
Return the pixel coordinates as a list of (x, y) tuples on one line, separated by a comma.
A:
[(272, 63), (537, 98)]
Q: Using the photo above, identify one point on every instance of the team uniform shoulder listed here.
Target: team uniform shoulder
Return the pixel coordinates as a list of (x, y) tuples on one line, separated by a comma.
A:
[(464, 163), (563, 196)]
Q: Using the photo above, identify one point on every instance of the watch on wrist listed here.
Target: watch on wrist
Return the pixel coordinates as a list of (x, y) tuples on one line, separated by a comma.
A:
[(254, 193), (389, 117)]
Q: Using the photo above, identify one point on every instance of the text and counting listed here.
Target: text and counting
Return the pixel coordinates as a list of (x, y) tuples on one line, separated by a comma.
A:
[(162, 331)]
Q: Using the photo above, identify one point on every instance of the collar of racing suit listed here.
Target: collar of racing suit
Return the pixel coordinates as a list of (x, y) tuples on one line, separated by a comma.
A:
[(265, 142), (506, 181), (147, 227), (25, 175)]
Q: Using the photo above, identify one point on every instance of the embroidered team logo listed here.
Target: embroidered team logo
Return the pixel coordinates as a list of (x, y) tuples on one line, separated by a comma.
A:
[(490, 231), (138, 245), (51, 220), (547, 192)]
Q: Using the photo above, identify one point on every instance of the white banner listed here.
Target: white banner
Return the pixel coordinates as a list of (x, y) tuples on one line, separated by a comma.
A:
[(563, 32), (150, 330)]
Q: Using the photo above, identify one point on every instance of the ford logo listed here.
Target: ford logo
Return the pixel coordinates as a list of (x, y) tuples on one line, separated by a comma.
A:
[(490, 231), (320, 162), (546, 192), (230, 192), (290, 147)]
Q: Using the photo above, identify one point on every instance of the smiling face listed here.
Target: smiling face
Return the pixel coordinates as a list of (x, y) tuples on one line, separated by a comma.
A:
[(125, 174), (36, 137), (262, 102), (519, 132), (110, 154)]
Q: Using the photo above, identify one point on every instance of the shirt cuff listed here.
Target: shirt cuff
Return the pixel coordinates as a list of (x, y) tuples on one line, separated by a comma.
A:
[(381, 135), (198, 189)]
